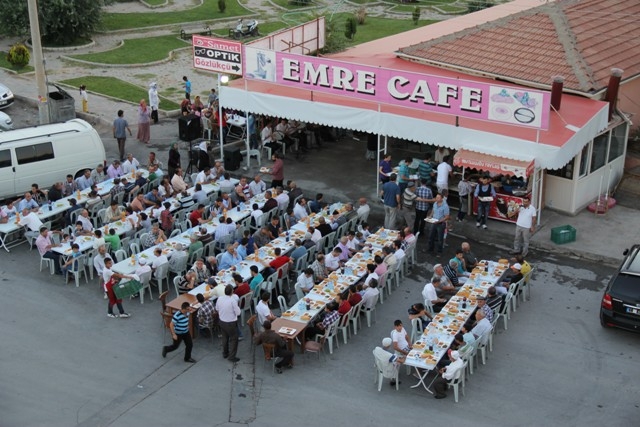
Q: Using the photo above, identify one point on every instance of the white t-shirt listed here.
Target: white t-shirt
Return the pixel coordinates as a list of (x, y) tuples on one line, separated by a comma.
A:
[(31, 221), (400, 338), (443, 174), (482, 329), (299, 211), (162, 259), (305, 282), (525, 216), (263, 312), (331, 262), (257, 187), (370, 277), (429, 292)]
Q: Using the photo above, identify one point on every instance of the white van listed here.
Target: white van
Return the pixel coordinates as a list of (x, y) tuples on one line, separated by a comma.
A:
[(47, 154)]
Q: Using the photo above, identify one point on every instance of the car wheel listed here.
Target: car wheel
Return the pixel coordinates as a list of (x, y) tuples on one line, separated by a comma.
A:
[(603, 323)]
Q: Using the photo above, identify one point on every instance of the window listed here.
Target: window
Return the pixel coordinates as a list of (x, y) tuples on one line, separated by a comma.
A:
[(565, 172), (5, 159), (618, 136), (584, 161), (599, 152), (34, 153)]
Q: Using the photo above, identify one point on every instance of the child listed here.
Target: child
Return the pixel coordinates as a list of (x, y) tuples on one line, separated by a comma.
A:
[(85, 98), (72, 263)]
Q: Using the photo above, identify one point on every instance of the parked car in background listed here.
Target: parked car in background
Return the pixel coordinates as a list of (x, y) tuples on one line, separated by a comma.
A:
[(6, 96), (5, 122), (621, 301)]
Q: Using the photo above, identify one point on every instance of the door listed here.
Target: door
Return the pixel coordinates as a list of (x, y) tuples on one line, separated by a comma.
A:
[(7, 174)]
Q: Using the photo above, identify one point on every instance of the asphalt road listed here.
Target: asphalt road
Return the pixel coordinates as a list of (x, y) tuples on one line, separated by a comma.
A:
[(65, 363)]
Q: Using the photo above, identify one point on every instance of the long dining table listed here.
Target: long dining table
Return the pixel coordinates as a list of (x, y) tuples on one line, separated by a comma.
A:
[(432, 345)]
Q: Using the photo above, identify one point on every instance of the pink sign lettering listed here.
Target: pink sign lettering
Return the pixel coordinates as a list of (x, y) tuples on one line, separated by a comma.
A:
[(464, 98)]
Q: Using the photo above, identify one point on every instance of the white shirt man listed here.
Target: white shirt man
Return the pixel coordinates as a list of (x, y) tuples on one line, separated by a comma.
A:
[(526, 216), (370, 297), (130, 165), (316, 236), (299, 211), (31, 221), (305, 281), (224, 230), (203, 177), (283, 201), (429, 293), (263, 312), (158, 261), (369, 278), (387, 362), (86, 222), (483, 327), (332, 261), (256, 214), (98, 261), (143, 268), (363, 210), (257, 186), (442, 181), (400, 343), (227, 308)]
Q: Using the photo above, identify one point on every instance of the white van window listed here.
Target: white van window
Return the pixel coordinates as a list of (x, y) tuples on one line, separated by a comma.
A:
[(34, 153), (5, 158)]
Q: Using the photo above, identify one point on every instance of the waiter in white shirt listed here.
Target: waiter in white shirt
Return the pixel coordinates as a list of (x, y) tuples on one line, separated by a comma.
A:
[(525, 225)]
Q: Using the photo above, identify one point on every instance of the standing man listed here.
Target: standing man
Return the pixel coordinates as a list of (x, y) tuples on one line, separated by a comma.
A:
[(187, 87), (179, 327), (277, 171), (385, 168), (525, 225), (425, 197), (120, 126), (436, 234), (229, 311), (391, 198), (407, 211), (444, 171), (485, 194), (154, 101)]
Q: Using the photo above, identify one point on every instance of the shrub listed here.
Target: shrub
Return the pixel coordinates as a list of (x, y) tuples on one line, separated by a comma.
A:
[(415, 15), (222, 6), (18, 55), (350, 27), (361, 15)]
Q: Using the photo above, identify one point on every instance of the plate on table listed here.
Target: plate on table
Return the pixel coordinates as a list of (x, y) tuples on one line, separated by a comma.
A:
[(289, 313), (419, 345), (287, 331), (306, 317), (118, 223)]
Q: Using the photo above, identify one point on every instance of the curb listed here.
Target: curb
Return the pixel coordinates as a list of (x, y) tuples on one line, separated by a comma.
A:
[(145, 64)]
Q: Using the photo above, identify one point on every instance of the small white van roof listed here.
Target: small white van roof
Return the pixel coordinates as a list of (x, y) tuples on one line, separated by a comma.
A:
[(71, 126)]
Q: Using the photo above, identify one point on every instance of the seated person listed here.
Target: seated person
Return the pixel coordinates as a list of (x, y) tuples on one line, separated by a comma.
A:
[(305, 281), (262, 309), (418, 311), (400, 338), (430, 293), (354, 295), (280, 351), (201, 271), (343, 305), (330, 317), (514, 275)]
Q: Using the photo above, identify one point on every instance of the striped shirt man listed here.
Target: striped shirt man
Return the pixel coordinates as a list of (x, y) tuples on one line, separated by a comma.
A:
[(180, 323)]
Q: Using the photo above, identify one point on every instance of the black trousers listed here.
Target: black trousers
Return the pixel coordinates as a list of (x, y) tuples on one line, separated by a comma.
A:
[(440, 386), (418, 224), (154, 116), (188, 342), (286, 355), (229, 338)]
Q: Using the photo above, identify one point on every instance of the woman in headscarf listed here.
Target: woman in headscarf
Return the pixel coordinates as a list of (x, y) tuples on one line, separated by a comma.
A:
[(144, 122), (174, 159)]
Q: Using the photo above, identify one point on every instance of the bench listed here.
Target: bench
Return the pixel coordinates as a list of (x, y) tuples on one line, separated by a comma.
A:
[(184, 35)]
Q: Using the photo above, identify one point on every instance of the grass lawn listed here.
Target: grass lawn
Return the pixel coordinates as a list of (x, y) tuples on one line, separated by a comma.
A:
[(137, 51), (208, 10), (156, 2), (5, 64), (452, 9), (377, 28), (117, 88)]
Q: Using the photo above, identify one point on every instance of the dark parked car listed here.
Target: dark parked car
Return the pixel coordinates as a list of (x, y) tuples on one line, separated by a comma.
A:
[(621, 301)]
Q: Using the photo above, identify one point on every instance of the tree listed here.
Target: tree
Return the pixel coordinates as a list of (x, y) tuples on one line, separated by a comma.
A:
[(351, 27), (415, 15), (62, 22)]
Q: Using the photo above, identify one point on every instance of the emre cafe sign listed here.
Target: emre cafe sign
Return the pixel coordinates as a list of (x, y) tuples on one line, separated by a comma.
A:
[(513, 105)]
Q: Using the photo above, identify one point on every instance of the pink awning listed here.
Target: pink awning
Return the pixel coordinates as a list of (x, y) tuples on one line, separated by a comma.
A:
[(491, 163)]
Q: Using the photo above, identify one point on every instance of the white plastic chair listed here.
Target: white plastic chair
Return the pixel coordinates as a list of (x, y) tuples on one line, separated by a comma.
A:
[(245, 305), (78, 268), (458, 380), (121, 255), (176, 283), (162, 274), (380, 376), (49, 262), (145, 280), (415, 329), (355, 317), (369, 311), (343, 324), (282, 303)]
